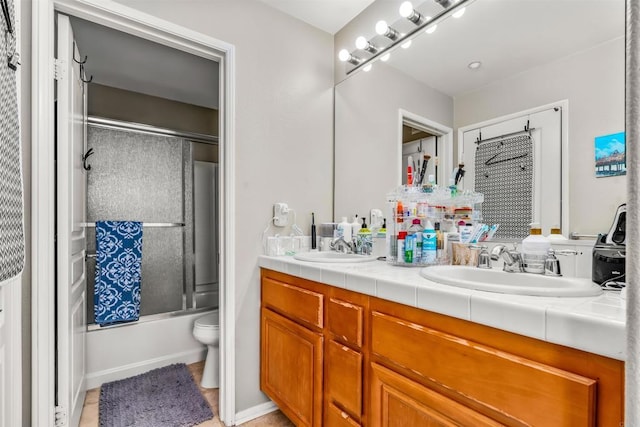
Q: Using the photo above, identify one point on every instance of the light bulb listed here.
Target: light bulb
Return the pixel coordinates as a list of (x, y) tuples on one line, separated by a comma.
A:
[(406, 44), (344, 55), (459, 13), (367, 68), (431, 29), (361, 42), (381, 27), (385, 57), (406, 9)]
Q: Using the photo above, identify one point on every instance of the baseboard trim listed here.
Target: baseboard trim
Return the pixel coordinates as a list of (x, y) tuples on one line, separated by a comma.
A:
[(96, 379), (255, 412)]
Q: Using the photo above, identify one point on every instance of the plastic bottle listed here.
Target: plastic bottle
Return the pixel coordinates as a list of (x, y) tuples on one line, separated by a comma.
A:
[(409, 247), (416, 230), (399, 212), (429, 244), (344, 230), (534, 250), (355, 226), (439, 239), (364, 242), (401, 242), (556, 234)]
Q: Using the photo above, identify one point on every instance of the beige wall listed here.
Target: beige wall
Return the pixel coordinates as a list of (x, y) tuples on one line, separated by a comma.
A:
[(593, 82), (368, 138), (284, 81), (284, 89), (128, 106)]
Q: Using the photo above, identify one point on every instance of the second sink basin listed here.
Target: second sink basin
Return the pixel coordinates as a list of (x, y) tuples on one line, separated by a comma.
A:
[(495, 280), (331, 256)]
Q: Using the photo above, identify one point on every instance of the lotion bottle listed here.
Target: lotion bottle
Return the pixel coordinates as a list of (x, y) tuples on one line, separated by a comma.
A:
[(344, 230)]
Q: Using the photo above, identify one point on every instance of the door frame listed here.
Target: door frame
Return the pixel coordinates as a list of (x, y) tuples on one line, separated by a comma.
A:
[(122, 18)]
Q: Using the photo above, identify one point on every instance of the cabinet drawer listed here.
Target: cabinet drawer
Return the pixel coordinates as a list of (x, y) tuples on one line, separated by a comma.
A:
[(525, 391), (344, 377), (339, 418), (345, 321), (398, 401), (294, 302)]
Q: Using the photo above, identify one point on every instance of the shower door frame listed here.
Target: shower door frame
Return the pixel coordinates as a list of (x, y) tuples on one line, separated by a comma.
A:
[(142, 25)]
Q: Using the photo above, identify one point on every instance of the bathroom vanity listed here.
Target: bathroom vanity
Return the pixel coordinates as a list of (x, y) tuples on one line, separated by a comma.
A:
[(371, 345)]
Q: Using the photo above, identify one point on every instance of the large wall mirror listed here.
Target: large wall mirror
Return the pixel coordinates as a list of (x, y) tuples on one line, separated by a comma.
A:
[(532, 54)]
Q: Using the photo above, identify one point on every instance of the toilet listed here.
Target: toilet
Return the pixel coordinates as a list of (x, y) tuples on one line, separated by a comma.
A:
[(206, 329)]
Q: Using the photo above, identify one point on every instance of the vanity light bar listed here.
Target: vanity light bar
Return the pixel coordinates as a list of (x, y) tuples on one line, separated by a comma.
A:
[(403, 38)]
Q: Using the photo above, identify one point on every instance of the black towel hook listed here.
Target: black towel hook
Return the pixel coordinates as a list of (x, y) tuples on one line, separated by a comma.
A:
[(85, 157), (82, 62)]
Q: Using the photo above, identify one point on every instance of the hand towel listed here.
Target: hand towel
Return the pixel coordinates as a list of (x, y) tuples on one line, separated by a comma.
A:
[(118, 271)]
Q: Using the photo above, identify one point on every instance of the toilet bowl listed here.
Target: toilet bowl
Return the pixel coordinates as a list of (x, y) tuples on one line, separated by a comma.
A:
[(206, 329)]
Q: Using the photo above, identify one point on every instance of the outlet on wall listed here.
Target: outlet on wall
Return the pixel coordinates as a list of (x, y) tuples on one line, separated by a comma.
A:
[(280, 214)]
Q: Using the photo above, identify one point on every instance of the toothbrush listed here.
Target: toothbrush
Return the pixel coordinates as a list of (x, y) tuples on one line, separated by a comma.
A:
[(313, 231)]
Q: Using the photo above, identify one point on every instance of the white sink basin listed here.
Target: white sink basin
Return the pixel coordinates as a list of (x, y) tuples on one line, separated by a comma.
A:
[(496, 280), (331, 256)]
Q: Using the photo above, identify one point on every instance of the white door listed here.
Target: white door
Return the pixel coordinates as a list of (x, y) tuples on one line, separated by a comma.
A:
[(71, 185)]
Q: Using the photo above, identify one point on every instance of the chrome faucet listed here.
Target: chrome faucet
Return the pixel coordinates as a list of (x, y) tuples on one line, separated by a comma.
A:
[(341, 245), (484, 259), (552, 264), (512, 258)]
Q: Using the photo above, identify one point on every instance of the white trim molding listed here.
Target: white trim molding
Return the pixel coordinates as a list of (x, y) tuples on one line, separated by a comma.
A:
[(122, 18), (445, 159), (255, 412)]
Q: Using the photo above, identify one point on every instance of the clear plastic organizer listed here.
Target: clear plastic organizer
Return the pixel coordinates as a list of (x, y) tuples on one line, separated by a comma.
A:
[(411, 209)]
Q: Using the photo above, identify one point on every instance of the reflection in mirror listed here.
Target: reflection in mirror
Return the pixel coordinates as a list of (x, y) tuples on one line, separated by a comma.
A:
[(532, 53)]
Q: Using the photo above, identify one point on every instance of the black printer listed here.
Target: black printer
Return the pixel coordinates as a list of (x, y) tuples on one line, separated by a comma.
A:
[(609, 252)]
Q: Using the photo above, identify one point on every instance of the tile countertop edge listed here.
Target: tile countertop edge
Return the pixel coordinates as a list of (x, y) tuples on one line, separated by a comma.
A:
[(562, 321)]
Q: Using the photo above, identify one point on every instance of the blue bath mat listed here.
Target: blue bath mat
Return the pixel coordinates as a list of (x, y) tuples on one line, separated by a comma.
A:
[(164, 397)]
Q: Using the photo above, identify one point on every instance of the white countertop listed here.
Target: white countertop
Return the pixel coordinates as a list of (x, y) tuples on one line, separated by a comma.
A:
[(592, 324)]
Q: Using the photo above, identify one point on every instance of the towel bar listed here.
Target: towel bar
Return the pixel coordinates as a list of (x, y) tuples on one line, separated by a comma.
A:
[(144, 224)]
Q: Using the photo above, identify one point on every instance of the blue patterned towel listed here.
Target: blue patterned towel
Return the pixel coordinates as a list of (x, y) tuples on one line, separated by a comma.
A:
[(118, 267)]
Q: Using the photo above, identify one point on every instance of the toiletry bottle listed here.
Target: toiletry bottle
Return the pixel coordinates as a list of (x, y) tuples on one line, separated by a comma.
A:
[(344, 230), (364, 242), (399, 212), (556, 234), (429, 244), (409, 171), (416, 230), (453, 187), (401, 242), (355, 226), (409, 247), (439, 239), (534, 250)]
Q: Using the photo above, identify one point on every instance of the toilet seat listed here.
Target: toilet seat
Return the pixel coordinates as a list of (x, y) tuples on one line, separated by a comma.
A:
[(209, 321)]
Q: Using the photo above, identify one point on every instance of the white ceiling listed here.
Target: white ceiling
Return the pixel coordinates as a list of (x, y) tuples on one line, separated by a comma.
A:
[(507, 36), (123, 61), (328, 15)]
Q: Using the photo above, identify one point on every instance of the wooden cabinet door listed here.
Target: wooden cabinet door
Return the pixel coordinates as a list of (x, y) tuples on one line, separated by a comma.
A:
[(343, 376), (291, 368), (397, 401)]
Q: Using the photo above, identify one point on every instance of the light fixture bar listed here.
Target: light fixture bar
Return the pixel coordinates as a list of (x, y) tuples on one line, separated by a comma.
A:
[(403, 38)]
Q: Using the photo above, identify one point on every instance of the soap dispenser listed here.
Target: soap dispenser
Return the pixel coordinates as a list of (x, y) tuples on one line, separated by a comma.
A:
[(534, 250)]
